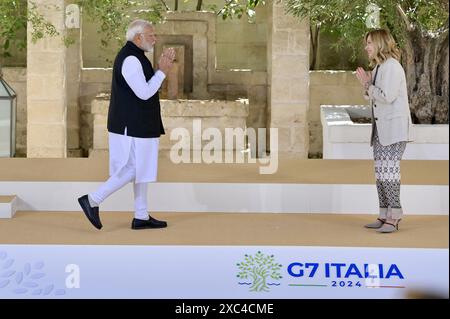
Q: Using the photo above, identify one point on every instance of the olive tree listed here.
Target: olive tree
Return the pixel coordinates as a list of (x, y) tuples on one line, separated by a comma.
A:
[(421, 30)]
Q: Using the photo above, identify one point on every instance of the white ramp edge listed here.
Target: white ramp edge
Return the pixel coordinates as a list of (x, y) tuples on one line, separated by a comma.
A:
[(232, 197), (8, 206)]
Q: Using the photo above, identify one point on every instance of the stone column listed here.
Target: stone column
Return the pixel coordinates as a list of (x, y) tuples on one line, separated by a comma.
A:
[(288, 79), (73, 79), (47, 86)]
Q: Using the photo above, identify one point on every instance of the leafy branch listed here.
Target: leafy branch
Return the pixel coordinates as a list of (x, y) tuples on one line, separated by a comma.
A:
[(239, 8)]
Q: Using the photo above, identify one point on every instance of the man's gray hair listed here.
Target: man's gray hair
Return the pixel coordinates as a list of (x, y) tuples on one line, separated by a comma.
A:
[(136, 27)]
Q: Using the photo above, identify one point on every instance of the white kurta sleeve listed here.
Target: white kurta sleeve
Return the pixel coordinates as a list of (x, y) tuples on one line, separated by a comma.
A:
[(134, 76)]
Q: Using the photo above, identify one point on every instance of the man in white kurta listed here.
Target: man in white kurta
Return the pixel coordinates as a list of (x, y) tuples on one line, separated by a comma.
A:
[(133, 159)]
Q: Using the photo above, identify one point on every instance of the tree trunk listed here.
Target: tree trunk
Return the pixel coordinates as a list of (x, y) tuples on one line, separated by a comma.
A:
[(199, 5), (314, 34), (425, 60)]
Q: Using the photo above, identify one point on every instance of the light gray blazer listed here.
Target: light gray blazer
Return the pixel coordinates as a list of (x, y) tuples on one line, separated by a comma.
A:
[(389, 100)]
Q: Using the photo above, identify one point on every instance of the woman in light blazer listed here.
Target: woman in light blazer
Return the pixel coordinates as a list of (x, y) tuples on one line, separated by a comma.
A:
[(385, 87)]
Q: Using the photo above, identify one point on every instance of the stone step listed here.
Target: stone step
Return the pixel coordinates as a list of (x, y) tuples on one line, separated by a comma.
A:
[(307, 186), (233, 197), (8, 206)]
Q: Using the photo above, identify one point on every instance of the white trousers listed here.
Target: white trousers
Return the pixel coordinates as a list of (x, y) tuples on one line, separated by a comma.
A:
[(119, 179)]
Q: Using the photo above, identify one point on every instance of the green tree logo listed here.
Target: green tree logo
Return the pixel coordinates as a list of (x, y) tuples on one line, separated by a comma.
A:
[(259, 268)]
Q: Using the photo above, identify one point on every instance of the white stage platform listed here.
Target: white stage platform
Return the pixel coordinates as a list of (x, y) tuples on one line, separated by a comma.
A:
[(223, 220)]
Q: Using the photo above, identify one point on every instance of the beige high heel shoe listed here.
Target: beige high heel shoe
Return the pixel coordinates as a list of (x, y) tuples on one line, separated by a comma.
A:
[(377, 224), (389, 227)]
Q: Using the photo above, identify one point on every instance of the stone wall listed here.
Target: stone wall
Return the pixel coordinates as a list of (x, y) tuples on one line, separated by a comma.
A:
[(241, 44), (93, 82), (200, 29), (208, 81), (330, 87), (228, 86), (326, 87), (288, 79), (17, 78), (178, 114), (279, 97)]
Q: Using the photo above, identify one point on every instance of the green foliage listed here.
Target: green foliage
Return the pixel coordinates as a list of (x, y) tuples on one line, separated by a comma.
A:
[(113, 16), (40, 26), (9, 27), (239, 8), (430, 15), (348, 18), (14, 15)]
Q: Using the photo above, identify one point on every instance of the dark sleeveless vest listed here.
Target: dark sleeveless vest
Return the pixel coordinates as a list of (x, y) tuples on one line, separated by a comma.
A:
[(142, 118)]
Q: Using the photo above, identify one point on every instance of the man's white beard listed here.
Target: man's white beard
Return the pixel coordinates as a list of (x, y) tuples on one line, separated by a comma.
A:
[(147, 47)]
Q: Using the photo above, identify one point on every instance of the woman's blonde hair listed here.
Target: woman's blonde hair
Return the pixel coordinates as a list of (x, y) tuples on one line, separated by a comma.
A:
[(384, 45)]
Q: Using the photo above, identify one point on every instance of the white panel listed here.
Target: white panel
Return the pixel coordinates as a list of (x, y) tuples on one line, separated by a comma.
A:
[(191, 272), (229, 197), (5, 210)]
